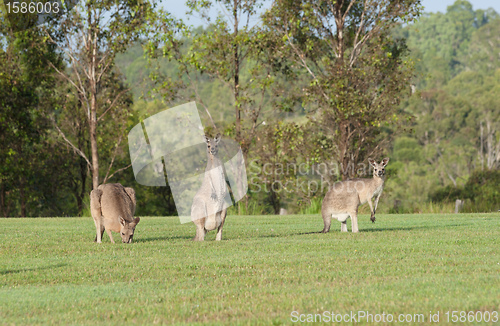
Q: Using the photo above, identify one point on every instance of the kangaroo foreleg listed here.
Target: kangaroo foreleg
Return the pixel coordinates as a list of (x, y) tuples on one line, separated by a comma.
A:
[(110, 236), (372, 211), (376, 203), (375, 208)]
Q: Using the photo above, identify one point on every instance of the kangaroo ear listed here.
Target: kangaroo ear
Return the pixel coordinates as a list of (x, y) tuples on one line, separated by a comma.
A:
[(385, 161), (217, 138), (372, 162), (137, 220), (206, 139), (122, 221)]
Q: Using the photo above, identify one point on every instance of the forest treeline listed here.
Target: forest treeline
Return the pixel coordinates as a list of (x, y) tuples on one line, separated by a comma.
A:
[(307, 104)]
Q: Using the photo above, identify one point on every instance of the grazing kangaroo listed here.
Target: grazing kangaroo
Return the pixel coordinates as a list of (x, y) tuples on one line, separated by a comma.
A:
[(113, 208), (208, 212), (345, 197)]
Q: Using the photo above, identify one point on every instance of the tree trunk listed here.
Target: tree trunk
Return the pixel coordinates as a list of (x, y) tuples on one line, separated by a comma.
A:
[(93, 99), (80, 194), (481, 146), (490, 158), (83, 175), (82, 143), (343, 147), (275, 201), (2, 200), (339, 21), (93, 142), (22, 197), (237, 87), (236, 75)]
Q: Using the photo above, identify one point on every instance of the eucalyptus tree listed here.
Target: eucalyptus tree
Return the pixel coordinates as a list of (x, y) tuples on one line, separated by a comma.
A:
[(89, 36), (230, 51), (27, 87), (357, 72)]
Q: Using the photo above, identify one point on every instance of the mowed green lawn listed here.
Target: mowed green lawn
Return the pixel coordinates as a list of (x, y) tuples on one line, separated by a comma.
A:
[(266, 267)]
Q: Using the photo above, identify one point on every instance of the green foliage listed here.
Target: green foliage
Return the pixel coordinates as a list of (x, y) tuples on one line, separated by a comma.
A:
[(483, 186), (442, 40), (481, 55), (254, 207), (448, 194), (452, 120), (356, 71), (456, 125), (313, 208), (406, 150), (27, 157), (481, 190), (52, 273)]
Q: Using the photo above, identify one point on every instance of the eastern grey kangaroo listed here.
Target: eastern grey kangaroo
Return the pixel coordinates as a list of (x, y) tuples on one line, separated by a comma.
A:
[(113, 207), (345, 197), (208, 211)]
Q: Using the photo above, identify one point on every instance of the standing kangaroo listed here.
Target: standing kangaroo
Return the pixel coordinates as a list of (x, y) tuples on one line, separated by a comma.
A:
[(208, 212), (113, 208), (345, 197)]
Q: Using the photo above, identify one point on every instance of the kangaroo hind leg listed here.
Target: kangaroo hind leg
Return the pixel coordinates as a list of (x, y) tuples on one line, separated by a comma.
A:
[(198, 216), (95, 210), (218, 237), (327, 220), (354, 220)]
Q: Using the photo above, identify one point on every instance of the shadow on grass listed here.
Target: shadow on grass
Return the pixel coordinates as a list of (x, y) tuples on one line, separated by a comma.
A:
[(410, 228), (153, 239), (281, 235), (371, 229), (22, 270), (313, 232)]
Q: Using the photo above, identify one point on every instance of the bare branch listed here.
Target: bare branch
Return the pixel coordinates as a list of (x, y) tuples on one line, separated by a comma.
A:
[(64, 76), (361, 26), (76, 149), (114, 103), (119, 170), (358, 46), (105, 68), (328, 28), (256, 115), (305, 65), (348, 9), (113, 158), (80, 88), (198, 97)]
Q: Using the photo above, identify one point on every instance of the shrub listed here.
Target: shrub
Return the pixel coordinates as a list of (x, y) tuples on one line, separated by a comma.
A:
[(482, 189)]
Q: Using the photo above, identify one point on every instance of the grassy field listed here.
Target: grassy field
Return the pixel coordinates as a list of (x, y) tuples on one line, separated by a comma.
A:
[(266, 267)]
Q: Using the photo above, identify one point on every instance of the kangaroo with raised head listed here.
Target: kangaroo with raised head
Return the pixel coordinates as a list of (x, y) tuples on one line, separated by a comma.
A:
[(113, 208), (208, 212), (343, 200)]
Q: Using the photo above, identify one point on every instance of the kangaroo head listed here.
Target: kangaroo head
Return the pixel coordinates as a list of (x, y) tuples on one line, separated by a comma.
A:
[(127, 229), (212, 144), (379, 168)]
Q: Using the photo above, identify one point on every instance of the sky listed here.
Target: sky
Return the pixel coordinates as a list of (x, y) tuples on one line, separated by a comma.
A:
[(178, 8), (441, 5)]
